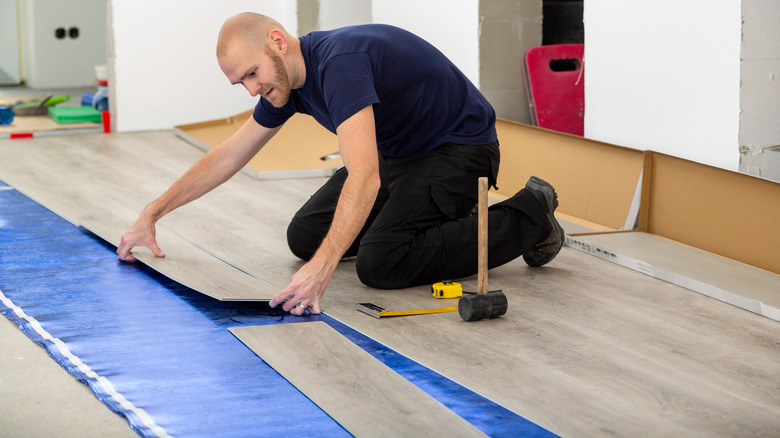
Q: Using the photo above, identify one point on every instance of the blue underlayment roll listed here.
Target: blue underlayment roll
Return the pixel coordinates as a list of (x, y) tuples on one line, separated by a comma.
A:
[(160, 354)]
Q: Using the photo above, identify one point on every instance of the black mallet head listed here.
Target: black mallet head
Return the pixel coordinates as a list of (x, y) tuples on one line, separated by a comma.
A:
[(474, 307)]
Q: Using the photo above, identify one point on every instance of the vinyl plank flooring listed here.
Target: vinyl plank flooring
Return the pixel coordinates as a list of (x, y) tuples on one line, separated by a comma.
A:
[(188, 264), (587, 348), (103, 185), (366, 397), (592, 349)]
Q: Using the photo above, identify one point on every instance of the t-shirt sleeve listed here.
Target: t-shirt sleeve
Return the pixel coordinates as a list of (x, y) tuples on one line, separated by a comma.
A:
[(269, 116), (348, 85)]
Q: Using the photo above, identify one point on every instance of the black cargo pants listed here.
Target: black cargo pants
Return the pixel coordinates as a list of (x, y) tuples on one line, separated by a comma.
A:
[(419, 230)]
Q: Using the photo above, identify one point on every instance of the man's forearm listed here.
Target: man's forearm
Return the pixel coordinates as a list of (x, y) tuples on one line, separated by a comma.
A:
[(205, 175), (213, 169)]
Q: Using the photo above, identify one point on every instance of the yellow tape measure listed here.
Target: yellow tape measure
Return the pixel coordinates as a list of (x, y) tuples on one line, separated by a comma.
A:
[(446, 289)]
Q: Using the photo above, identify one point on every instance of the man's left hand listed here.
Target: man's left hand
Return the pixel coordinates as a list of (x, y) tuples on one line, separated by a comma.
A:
[(305, 289)]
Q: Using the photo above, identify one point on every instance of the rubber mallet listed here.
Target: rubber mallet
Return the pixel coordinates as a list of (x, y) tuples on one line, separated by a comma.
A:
[(483, 304)]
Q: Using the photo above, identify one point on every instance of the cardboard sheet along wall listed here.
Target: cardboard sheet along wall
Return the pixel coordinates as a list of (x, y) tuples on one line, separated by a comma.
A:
[(301, 149)]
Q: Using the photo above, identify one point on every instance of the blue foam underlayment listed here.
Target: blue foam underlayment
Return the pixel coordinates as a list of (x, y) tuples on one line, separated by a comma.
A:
[(166, 349)]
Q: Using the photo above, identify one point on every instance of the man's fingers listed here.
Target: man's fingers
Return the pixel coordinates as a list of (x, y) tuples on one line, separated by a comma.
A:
[(282, 297), (128, 258), (123, 253), (298, 309), (290, 304), (156, 249)]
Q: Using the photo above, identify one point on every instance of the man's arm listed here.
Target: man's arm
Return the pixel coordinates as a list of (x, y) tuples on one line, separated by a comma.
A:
[(357, 144), (213, 169)]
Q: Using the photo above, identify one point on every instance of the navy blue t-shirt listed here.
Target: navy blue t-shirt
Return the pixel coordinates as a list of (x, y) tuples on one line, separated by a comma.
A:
[(421, 100)]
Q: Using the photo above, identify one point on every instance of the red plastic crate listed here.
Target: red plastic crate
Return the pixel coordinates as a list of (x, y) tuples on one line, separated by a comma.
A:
[(555, 83)]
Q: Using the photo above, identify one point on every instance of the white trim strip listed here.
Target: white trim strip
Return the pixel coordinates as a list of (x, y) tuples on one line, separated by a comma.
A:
[(108, 388), (633, 211)]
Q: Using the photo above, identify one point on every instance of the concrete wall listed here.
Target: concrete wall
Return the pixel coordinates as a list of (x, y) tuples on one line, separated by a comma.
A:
[(759, 127), (331, 14), (506, 31)]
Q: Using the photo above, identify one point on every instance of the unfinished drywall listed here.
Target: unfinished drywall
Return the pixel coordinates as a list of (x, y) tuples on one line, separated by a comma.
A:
[(664, 75), (450, 25), (506, 31), (331, 14), (759, 131), (164, 62)]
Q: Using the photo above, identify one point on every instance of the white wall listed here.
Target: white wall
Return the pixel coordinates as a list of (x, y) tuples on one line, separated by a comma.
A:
[(450, 25), (49, 62), (664, 75), (165, 69), (165, 66)]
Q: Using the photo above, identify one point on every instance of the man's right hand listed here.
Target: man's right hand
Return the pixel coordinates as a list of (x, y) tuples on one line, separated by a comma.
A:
[(141, 233)]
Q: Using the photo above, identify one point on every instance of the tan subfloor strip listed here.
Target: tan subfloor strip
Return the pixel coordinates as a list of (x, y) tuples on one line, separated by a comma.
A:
[(40, 399), (359, 392)]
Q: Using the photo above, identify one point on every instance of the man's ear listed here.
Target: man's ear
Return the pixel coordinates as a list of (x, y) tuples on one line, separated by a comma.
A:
[(278, 40)]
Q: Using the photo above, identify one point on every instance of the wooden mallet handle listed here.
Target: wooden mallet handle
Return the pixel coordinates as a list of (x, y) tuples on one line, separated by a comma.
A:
[(482, 242), (483, 304)]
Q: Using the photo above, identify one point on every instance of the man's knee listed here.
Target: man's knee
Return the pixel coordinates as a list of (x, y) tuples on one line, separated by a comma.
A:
[(376, 267), (371, 277), (302, 243)]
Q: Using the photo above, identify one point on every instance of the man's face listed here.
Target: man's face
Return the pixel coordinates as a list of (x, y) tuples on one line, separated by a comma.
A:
[(279, 91), (260, 72)]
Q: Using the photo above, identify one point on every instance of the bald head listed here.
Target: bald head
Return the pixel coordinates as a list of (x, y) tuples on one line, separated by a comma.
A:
[(247, 27), (259, 53)]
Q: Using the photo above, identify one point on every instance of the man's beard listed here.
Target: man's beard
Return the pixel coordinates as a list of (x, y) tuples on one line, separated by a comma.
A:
[(282, 86)]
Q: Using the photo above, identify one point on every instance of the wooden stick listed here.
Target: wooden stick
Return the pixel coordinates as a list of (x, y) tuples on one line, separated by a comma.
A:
[(482, 229)]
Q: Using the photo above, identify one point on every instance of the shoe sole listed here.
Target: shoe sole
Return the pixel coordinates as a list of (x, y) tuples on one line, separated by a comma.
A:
[(540, 186)]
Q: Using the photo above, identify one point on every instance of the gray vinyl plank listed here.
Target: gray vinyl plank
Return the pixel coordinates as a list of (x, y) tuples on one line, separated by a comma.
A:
[(587, 347), (752, 288), (187, 264), (363, 395)]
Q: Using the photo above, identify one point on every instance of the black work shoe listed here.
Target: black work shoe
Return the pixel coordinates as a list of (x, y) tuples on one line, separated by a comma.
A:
[(546, 250)]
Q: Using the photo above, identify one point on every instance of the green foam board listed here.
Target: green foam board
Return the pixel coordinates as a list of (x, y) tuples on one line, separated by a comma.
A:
[(74, 114)]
